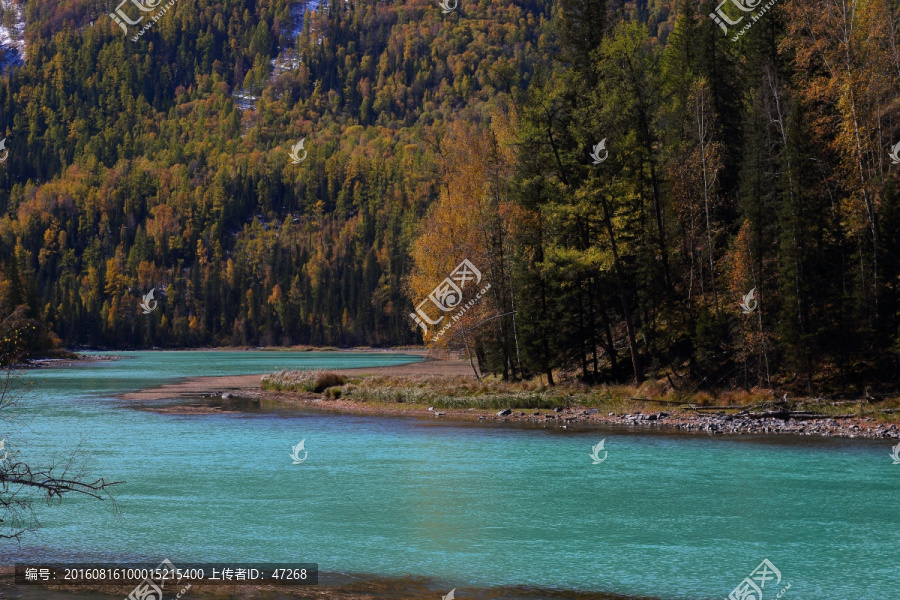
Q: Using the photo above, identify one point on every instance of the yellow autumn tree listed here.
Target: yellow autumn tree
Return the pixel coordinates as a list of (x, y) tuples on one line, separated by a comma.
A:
[(744, 291), (465, 223), (848, 71)]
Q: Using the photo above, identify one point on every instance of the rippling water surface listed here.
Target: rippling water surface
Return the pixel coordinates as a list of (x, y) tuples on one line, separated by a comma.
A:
[(670, 516)]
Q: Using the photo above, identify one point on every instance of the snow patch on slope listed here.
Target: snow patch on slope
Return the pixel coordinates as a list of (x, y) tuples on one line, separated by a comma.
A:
[(12, 39), (287, 59)]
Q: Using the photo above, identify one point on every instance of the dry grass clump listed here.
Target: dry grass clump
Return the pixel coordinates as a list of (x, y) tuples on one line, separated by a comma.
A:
[(449, 391), (460, 392), (456, 392)]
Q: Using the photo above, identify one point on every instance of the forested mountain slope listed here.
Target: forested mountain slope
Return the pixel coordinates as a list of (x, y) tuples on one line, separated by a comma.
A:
[(131, 168), (740, 230)]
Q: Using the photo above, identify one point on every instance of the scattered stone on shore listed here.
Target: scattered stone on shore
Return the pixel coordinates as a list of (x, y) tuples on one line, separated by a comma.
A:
[(708, 424), (722, 424), (65, 359), (735, 423)]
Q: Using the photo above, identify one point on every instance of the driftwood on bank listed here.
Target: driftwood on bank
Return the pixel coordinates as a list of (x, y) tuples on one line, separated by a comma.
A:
[(778, 414), (661, 401), (797, 415), (779, 409)]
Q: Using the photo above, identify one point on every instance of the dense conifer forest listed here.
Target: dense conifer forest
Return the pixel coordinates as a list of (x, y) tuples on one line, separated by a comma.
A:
[(622, 174)]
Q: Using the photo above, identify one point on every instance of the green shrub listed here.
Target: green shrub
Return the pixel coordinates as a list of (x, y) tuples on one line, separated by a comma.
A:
[(327, 380), (301, 381)]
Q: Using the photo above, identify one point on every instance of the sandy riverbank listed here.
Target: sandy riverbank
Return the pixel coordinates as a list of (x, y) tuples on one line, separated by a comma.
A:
[(203, 395), (247, 386), (58, 363)]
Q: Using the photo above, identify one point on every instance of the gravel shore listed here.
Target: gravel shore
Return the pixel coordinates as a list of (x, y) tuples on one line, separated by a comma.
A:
[(720, 424), (202, 394)]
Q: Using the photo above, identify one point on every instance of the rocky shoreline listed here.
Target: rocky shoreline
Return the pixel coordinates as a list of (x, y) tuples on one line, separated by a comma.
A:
[(242, 393), (719, 424), (235, 401), (75, 360)]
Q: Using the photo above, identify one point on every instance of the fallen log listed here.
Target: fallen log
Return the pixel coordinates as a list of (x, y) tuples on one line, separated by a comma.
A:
[(799, 416), (835, 403), (661, 401)]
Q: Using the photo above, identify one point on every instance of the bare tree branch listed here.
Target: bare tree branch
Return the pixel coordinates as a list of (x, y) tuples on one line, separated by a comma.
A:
[(21, 484)]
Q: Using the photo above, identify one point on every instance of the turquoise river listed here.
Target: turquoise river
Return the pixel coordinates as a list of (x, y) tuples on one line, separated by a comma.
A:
[(463, 505)]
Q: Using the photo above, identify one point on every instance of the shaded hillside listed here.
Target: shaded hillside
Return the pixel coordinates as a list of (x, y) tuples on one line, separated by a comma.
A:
[(131, 168)]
